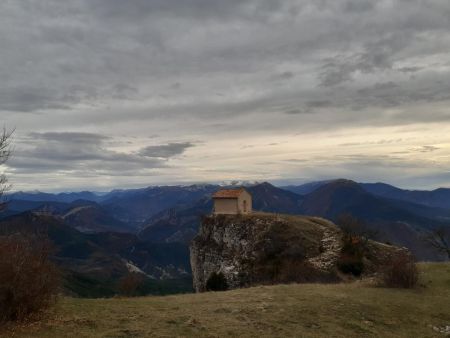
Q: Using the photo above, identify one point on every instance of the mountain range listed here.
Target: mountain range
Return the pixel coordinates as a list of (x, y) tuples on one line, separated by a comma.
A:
[(104, 235), (93, 263)]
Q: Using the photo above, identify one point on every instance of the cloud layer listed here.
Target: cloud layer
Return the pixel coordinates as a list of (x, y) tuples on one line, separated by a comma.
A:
[(120, 93)]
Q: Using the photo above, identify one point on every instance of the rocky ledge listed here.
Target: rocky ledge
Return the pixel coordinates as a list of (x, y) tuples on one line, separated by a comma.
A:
[(265, 248)]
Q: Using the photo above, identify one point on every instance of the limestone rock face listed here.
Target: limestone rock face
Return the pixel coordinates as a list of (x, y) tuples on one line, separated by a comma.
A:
[(269, 249), (264, 248)]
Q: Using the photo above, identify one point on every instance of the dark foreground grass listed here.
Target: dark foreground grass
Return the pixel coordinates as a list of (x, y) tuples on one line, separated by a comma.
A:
[(305, 310)]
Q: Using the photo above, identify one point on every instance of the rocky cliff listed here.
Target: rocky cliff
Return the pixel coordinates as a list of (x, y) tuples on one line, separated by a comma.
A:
[(261, 248)]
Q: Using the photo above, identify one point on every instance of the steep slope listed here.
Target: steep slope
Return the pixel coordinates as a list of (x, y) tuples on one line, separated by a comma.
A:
[(93, 218), (84, 215), (269, 198), (433, 213), (439, 198), (178, 224), (76, 256), (139, 206), (306, 188), (102, 257), (396, 222), (15, 207), (345, 196)]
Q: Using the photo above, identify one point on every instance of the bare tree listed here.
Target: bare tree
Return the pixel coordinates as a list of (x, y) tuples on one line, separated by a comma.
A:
[(29, 281), (353, 227), (440, 239), (5, 152)]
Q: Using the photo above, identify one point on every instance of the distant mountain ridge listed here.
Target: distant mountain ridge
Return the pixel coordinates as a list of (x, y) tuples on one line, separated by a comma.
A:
[(68, 197), (306, 188), (171, 214), (138, 205), (439, 198), (129, 208)]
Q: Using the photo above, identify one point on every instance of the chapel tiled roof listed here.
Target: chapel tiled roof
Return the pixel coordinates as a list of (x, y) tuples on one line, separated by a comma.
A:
[(228, 193)]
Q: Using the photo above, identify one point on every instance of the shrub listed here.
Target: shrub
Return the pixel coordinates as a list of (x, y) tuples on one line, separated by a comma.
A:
[(355, 241), (130, 284), (29, 282), (401, 271), (352, 246), (351, 264), (351, 260), (355, 230), (216, 282)]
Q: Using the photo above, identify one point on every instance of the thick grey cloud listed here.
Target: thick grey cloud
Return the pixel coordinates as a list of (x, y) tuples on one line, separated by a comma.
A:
[(216, 71), (79, 153), (166, 150)]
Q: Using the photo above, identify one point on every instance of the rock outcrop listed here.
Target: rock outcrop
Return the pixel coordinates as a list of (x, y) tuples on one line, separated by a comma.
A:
[(264, 248)]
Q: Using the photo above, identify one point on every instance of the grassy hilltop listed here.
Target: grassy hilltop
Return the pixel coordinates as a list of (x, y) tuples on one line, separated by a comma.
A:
[(301, 310)]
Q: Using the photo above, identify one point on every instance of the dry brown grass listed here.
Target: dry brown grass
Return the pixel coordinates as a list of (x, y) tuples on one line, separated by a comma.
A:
[(296, 310)]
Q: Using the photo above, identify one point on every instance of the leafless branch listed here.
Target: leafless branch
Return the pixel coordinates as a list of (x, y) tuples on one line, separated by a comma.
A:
[(5, 145), (5, 153), (440, 240)]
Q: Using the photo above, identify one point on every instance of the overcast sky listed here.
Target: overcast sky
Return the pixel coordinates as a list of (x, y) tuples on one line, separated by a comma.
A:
[(114, 93)]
